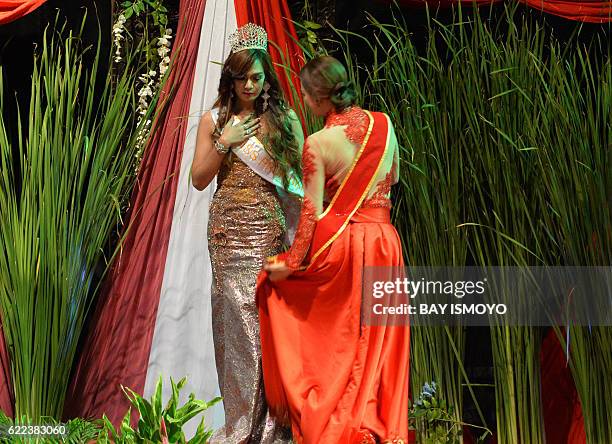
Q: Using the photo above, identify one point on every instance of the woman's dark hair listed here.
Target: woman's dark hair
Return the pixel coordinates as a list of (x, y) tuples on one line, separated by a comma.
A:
[(280, 142), (325, 77)]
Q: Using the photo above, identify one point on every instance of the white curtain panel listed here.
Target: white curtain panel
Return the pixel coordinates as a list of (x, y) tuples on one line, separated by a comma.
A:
[(182, 342)]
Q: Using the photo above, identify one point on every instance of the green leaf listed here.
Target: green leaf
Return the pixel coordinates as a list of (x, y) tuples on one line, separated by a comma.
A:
[(110, 429), (156, 401), (311, 25), (181, 384), (173, 401)]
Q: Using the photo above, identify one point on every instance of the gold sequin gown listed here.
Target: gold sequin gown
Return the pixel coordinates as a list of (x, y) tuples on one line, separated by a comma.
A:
[(246, 225)]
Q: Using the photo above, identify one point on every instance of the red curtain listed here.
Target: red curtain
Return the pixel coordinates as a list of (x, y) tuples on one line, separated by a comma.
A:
[(13, 9), (117, 346), (593, 11), (438, 3), (6, 391), (563, 421), (275, 17)]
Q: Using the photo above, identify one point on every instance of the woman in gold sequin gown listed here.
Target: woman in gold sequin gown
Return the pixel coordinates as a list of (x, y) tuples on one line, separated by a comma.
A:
[(246, 225)]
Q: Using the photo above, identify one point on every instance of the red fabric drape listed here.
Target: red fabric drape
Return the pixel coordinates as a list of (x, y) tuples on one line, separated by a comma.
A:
[(116, 350), (593, 11), (13, 9), (438, 3), (275, 17), (563, 421), (6, 391)]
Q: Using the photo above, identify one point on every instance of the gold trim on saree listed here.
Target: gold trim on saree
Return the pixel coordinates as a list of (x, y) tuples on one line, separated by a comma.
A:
[(364, 194)]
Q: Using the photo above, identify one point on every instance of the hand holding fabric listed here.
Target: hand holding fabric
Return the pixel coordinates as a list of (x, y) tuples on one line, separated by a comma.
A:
[(277, 270)]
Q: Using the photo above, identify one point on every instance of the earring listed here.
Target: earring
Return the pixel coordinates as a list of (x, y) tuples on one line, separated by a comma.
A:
[(232, 95), (266, 96)]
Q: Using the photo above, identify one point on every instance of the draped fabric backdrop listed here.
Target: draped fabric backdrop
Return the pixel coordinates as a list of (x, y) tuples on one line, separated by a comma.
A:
[(182, 343), (13, 9), (116, 347), (7, 400), (592, 11)]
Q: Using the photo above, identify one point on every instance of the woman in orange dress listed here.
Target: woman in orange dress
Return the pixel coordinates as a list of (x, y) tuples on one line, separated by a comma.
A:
[(334, 378)]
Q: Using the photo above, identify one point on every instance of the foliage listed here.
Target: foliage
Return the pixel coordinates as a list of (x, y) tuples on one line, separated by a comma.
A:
[(153, 8), (156, 424), (438, 419), (64, 186), (140, 29), (495, 128), (308, 38)]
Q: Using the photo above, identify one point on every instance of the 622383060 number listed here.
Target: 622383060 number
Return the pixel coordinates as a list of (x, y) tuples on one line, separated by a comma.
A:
[(32, 430)]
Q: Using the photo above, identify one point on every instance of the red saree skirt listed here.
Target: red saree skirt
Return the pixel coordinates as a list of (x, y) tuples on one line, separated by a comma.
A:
[(327, 374)]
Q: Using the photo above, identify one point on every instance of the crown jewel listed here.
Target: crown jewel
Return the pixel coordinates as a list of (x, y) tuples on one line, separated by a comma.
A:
[(250, 36)]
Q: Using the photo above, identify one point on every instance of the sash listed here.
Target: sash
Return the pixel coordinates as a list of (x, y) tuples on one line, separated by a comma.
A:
[(254, 155), (355, 186)]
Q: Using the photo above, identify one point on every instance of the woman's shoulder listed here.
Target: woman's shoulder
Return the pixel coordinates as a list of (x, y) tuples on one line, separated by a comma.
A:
[(318, 140), (208, 119), (212, 114)]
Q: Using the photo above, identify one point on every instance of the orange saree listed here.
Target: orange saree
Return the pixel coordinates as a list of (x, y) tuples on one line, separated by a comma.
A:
[(333, 378)]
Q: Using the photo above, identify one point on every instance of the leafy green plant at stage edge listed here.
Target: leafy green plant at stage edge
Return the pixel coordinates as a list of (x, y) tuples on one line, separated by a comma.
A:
[(437, 419), (309, 40), (156, 423), (64, 186)]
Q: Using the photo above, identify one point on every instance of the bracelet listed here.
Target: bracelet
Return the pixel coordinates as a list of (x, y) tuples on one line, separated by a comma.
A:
[(221, 149)]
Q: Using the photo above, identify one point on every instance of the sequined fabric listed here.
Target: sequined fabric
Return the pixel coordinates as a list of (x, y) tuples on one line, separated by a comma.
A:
[(365, 437), (246, 225)]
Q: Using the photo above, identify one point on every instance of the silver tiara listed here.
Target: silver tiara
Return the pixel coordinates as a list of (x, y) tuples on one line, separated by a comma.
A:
[(250, 36)]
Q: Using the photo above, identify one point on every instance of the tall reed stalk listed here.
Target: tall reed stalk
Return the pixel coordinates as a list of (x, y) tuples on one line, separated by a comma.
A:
[(576, 170), (64, 185)]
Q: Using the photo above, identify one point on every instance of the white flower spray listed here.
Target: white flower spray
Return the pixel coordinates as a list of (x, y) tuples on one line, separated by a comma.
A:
[(145, 95), (148, 91), (118, 30), (163, 51), (150, 82)]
